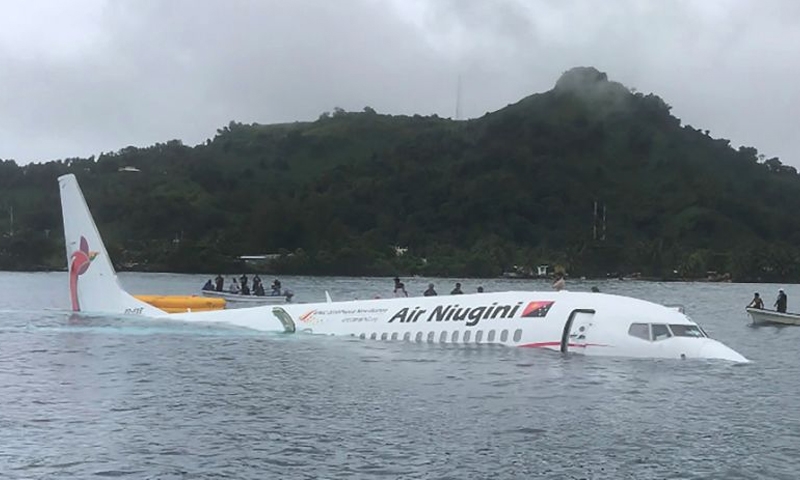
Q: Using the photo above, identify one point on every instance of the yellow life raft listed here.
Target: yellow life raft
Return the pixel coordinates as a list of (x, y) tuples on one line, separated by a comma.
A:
[(183, 303)]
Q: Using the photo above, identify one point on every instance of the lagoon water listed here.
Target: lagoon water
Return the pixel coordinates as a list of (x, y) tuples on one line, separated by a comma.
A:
[(100, 397)]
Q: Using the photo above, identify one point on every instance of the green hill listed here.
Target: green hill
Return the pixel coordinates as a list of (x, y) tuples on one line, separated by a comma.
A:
[(589, 176)]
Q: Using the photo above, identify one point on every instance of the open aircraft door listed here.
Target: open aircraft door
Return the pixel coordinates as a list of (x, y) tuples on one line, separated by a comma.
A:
[(577, 330), (285, 319)]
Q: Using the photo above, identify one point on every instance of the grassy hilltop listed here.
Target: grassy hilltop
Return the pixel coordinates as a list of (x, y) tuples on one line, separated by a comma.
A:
[(516, 187)]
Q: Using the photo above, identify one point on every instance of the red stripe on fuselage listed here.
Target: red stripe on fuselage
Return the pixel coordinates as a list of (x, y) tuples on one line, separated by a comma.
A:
[(558, 344)]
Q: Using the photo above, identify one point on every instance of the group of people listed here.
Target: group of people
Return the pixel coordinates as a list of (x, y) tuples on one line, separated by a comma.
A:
[(780, 302), (241, 286), (400, 289)]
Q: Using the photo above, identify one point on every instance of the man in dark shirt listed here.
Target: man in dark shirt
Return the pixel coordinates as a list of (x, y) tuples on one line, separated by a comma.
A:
[(780, 303)]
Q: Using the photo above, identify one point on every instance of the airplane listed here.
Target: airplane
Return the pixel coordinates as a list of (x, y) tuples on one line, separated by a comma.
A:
[(587, 323)]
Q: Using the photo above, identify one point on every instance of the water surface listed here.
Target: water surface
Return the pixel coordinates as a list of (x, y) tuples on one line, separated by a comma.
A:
[(103, 397)]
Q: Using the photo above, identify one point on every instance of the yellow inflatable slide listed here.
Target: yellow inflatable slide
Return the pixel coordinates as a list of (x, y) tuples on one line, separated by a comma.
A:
[(183, 303)]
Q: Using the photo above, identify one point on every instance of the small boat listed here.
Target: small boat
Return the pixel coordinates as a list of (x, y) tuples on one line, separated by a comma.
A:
[(251, 299), (761, 316)]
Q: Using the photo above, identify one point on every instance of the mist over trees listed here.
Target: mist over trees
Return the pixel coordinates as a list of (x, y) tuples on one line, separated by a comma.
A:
[(590, 176)]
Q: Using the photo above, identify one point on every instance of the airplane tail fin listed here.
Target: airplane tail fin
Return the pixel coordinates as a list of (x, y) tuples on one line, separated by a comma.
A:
[(93, 283)]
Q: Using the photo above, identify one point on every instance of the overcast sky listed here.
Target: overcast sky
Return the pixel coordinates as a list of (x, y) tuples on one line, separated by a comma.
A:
[(82, 76)]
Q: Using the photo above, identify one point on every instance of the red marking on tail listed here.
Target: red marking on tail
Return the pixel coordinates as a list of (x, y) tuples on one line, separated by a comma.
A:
[(80, 261)]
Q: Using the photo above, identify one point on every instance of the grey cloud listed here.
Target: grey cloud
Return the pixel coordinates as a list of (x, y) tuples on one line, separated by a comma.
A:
[(164, 69)]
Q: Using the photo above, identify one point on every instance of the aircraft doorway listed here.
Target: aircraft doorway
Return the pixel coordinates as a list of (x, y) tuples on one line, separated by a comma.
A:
[(576, 329), (285, 319)]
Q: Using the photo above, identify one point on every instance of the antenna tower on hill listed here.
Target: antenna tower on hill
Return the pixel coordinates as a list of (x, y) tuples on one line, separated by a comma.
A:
[(458, 98)]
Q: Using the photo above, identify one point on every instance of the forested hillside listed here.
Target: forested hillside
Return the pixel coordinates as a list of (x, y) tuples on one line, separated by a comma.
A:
[(589, 176)]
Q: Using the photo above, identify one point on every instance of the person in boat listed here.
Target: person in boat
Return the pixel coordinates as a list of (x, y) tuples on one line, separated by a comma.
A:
[(399, 288), (756, 302), (457, 289), (245, 289), (276, 288), (480, 289), (430, 292), (208, 285), (780, 303), (256, 283), (258, 288), (234, 288), (219, 283), (243, 280), (597, 290)]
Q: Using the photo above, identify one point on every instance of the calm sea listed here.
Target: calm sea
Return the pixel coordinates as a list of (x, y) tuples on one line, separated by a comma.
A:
[(95, 398)]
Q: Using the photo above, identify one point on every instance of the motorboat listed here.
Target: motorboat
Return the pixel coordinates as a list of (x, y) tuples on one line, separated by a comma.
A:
[(761, 316), (232, 297)]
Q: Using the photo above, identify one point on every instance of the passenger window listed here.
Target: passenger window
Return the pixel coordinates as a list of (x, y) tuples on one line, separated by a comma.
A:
[(466, 336), (443, 337), (660, 331), (478, 336), (407, 337), (639, 330), (490, 337), (362, 336), (373, 336), (384, 336), (394, 336), (504, 336), (454, 337), (418, 338), (430, 337), (518, 335)]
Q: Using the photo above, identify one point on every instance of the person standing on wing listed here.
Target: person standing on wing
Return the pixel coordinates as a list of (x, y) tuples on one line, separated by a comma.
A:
[(560, 283), (399, 288)]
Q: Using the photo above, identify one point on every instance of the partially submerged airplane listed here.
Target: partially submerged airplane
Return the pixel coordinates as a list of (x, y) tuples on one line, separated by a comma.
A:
[(580, 322)]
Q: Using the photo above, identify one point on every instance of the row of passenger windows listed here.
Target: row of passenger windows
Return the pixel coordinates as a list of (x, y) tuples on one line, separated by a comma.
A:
[(659, 331), (447, 337)]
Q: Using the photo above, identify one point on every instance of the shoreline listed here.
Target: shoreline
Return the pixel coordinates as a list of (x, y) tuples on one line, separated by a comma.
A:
[(410, 276)]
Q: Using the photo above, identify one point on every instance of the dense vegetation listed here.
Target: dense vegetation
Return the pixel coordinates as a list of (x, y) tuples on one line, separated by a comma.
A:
[(516, 187)]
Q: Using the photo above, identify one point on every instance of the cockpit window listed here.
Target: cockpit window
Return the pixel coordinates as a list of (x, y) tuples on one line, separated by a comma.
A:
[(639, 330), (660, 332), (686, 331)]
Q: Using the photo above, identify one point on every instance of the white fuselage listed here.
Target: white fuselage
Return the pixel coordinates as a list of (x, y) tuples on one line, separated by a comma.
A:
[(580, 322)]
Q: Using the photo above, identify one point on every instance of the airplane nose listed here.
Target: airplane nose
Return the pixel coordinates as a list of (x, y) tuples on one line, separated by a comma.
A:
[(716, 350)]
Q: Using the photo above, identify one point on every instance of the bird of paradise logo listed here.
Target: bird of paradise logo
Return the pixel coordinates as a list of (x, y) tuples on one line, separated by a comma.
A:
[(79, 263)]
